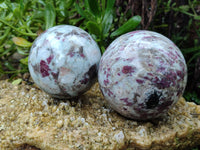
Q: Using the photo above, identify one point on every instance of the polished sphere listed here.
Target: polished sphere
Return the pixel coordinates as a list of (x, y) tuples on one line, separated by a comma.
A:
[(64, 61), (142, 74)]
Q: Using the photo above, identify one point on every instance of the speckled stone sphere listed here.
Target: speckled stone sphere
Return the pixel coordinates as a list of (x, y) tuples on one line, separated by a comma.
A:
[(142, 74), (64, 61)]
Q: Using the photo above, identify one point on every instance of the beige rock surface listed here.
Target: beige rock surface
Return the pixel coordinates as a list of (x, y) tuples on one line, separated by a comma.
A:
[(29, 116)]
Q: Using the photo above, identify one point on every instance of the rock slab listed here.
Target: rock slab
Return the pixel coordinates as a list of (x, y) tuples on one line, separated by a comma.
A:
[(30, 117)]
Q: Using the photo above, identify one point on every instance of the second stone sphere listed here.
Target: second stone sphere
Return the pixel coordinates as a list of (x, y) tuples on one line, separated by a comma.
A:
[(63, 61)]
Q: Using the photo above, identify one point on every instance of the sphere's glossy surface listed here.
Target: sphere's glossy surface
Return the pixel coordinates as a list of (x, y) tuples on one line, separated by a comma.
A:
[(142, 74), (64, 61)]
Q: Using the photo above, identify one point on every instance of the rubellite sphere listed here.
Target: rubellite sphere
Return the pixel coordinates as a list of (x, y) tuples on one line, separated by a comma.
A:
[(64, 61), (142, 74)]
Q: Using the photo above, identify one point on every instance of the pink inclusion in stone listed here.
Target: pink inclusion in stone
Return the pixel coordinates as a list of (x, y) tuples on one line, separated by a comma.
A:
[(128, 69), (139, 81), (44, 69), (49, 59), (126, 101)]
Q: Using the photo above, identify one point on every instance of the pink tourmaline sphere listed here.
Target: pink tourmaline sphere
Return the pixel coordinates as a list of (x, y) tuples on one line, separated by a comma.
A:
[(64, 61), (142, 74)]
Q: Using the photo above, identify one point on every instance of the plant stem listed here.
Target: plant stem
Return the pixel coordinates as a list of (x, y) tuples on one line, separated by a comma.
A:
[(11, 72), (24, 33), (193, 57), (2, 39)]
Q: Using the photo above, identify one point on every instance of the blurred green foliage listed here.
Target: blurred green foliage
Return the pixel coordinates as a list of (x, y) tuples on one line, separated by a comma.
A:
[(20, 21), (99, 21), (23, 20)]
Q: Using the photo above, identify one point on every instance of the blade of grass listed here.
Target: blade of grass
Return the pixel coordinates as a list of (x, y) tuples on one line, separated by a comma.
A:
[(2, 38), (193, 57), (190, 50), (94, 7), (70, 3), (50, 15), (80, 10), (21, 32), (107, 21), (93, 28), (130, 25), (110, 4), (108, 16)]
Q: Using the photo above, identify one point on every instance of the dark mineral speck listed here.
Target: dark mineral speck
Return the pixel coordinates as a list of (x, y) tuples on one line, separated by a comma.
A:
[(84, 81), (74, 32), (55, 75), (90, 75), (153, 100), (165, 105), (92, 71), (59, 33), (81, 52)]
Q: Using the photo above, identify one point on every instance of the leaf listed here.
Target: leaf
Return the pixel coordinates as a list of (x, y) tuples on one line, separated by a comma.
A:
[(9, 17), (110, 4), (196, 17), (17, 81), (193, 57), (94, 7), (38, 14), (86, 14), (69, 3), (103, 5), (107, 21), (5, 35), (128, 26), (17, 13), (62, 8), (191, 50), (9, 65), (184, 7), (22, 51), (19, 41), (5, 52), (50, 16), (3, 4), (102, 49), (80, 10), (86, 5), (89, 16), (93, 28), (21, 7), (108, 16), (24, 61)]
